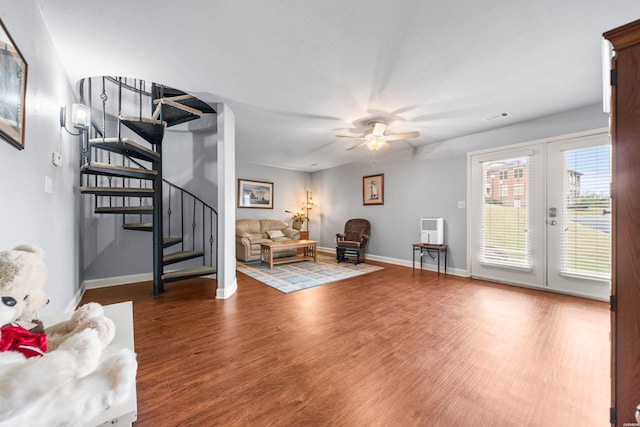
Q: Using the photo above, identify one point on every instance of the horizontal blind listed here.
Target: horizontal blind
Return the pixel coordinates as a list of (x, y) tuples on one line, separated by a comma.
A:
[(586, 213), (505, 213)]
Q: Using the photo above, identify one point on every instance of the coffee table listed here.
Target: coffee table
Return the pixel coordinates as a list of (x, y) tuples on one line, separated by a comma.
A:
[(267, 250)]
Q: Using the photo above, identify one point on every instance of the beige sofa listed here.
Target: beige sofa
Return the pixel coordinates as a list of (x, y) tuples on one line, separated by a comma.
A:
[(251, 232)]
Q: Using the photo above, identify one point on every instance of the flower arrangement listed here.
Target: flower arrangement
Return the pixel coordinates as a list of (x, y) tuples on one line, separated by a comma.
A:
[(298, 216)]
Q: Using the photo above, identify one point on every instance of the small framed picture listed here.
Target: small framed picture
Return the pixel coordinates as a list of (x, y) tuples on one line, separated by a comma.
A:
[(13, 87), (255, 194), (373, 190)]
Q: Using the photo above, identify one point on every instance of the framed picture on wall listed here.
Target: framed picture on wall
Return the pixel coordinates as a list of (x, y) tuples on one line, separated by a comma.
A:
[(373, 190), (255, 194), (13, 87)]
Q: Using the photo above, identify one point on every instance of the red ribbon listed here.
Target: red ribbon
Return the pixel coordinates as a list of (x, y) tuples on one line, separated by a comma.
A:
[(15, 338)]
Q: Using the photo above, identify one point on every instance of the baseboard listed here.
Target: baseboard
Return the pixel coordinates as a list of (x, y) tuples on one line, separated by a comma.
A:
[(118, 280), (405, 263), (226, 292)]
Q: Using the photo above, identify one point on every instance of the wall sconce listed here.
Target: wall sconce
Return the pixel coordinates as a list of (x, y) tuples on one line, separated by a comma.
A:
[(80, 117)]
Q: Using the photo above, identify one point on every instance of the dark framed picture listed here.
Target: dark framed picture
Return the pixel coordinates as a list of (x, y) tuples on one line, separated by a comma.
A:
[(13, 87), (373, 190), (255, 194)]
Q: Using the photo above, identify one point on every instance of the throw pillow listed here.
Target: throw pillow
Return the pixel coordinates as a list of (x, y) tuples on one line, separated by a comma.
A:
[(275, 233)]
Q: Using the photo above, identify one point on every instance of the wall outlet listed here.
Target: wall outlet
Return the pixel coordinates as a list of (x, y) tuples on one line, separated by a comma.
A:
[(462, 204)]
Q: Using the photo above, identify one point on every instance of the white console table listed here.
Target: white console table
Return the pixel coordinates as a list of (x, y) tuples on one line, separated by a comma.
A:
[(125, 413)]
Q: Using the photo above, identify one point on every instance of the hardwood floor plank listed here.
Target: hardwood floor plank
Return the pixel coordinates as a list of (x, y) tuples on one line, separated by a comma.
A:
[(394, 347)]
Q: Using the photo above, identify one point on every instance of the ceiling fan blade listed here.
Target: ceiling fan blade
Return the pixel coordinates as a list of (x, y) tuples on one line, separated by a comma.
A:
[(348, 136), (356, 146), (379, 128), (404, 135)]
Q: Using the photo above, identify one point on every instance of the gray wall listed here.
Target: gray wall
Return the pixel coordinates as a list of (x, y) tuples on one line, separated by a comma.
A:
[(428, 182), (289, 191), (30, 215)]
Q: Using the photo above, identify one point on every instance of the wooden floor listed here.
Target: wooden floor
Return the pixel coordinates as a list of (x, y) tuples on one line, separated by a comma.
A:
[(391, 348)]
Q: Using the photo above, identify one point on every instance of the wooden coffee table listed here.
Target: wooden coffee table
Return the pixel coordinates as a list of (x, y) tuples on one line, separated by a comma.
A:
[(269, 248)]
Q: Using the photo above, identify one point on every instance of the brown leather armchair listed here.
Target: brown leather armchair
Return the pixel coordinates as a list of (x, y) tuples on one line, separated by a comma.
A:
[(354, 240)]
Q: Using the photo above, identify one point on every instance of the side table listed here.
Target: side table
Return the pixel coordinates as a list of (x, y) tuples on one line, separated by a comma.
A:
[(429, 249)]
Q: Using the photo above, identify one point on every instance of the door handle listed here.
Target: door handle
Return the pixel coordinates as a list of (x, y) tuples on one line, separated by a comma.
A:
[(552, 222)]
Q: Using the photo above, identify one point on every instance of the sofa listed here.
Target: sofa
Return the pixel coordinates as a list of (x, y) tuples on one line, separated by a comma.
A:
[(250, 233)]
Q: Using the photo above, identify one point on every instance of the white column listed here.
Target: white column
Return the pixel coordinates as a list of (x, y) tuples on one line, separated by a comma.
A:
[(227, 281)]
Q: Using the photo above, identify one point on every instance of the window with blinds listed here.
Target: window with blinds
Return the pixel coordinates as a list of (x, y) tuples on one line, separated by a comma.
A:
[(504, 236), (586, 213)]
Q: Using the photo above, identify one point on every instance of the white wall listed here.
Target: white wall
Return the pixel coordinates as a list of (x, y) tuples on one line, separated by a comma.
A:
[(30, 215)]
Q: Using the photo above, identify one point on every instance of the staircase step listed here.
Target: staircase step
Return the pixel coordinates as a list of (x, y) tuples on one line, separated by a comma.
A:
[(118, 191), (145, 226), (148, 210), (175, 113), (180, 256), (97, 168), (151, 130), (170, 241), (126, 147), (187, 274), (181, 97)]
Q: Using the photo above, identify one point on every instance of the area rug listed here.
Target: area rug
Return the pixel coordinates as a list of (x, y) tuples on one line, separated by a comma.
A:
[(303, 275)]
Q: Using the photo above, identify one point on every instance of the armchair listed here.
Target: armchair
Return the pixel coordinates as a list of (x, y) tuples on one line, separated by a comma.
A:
[(354, 240)]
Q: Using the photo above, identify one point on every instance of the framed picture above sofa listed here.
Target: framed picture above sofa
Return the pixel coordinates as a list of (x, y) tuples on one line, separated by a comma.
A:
[(255, 194)]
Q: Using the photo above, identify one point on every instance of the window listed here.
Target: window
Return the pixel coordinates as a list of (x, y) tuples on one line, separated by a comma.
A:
[(504, 238), (504, 174), (518, 173), (518, 189), (586, 213)]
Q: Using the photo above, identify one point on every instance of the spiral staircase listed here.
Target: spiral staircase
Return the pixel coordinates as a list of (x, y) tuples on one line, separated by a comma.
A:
[(124, 174)]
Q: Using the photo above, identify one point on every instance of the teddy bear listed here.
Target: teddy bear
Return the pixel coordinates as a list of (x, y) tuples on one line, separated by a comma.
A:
[(62, 375)]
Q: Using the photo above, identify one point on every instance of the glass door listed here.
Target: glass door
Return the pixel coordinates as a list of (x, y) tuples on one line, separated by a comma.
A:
[(579, 216)]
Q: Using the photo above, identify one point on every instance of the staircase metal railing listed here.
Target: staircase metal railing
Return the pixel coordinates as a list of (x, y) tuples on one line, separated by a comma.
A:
[(173, 206), (196, 214)]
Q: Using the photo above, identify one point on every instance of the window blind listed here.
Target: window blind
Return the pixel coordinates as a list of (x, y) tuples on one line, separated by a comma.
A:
[(504, 236), (586, 213)]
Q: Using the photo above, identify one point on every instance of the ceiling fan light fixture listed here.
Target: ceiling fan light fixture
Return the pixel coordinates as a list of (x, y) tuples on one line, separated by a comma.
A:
[(375, 144)]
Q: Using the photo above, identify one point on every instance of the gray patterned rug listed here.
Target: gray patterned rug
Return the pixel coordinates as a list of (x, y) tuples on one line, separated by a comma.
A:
[(302, 275)]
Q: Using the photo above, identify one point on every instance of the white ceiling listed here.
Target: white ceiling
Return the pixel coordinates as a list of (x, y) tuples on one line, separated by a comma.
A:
[(296, 72)]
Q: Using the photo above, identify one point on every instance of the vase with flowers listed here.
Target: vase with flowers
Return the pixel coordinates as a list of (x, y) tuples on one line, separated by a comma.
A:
[(297, 219)]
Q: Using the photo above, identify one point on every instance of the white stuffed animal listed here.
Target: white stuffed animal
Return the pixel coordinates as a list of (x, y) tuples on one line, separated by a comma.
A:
[(74, 380)]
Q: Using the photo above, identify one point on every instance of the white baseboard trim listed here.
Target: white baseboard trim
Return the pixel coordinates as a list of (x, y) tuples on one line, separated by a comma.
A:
[(224, 293), (117, 280), (407, 263)]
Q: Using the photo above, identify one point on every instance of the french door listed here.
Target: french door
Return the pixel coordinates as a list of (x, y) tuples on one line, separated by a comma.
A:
[(540, 215), (579, 216)]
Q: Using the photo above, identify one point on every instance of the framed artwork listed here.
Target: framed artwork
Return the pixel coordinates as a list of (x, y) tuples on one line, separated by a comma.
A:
[(13, 87), (255, 194), (373, 190)]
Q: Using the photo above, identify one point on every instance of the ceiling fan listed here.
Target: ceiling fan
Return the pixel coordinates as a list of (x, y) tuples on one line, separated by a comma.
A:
[(376, 137)]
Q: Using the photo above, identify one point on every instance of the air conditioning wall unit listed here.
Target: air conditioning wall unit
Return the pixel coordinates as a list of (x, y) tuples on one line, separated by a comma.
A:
[(432, 231)]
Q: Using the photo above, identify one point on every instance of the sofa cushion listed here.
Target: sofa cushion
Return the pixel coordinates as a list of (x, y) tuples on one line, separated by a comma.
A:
[(271, 224), (275, 233)]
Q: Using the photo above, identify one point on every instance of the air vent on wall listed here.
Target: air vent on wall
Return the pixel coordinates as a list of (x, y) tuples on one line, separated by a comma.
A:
[(496, 116)]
